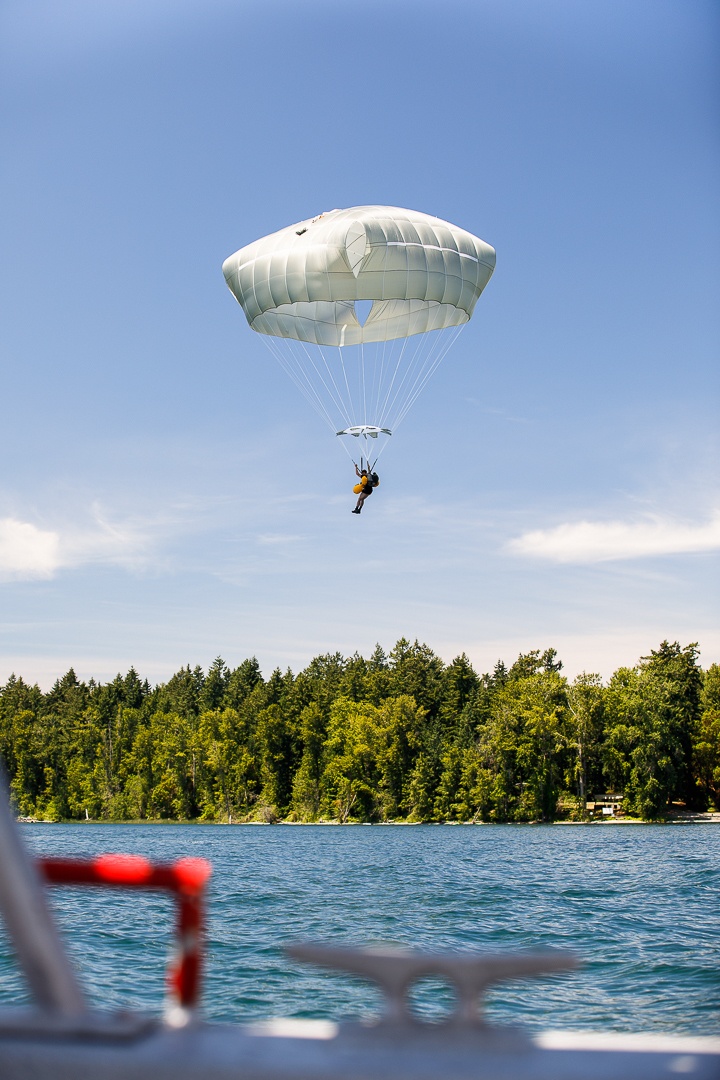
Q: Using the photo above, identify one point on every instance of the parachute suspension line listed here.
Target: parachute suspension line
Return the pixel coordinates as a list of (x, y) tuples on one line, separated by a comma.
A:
[(301, 380), (347, 384), (362, 372), (344, 446), (369, 465), (345, 403), (372, 386), (421, 362), (421, 358), (304, 385), (380, 377), (377, 380), (384, 409), (379, 452), (337, 400), (423, 374), (391, 357), (379, 360), (396, 365), (430, 367), (403, 388), (287, 367), (420, 347), (449, 344), (377, 412)]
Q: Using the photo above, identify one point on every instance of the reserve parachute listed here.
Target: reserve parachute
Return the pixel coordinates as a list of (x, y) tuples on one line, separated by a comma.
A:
[(360, 307)]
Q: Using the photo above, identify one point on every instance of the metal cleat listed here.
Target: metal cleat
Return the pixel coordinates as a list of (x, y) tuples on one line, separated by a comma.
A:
[(394, 971)]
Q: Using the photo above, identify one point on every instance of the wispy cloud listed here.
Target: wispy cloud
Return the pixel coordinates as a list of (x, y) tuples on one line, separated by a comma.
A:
[(29, 552), (602, 541), (273, 539)]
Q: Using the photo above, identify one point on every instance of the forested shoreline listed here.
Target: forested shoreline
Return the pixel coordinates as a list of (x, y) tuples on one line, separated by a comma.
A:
[(397, 737)]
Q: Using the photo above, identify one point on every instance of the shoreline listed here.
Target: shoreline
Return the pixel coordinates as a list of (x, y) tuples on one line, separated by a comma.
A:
[(710, 818)]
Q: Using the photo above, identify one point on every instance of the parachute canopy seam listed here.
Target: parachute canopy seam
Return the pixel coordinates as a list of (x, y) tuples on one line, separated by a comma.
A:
[(433, 247)]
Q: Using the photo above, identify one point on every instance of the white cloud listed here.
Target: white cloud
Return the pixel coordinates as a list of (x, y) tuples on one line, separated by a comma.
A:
[(26, 551), (598, 541)]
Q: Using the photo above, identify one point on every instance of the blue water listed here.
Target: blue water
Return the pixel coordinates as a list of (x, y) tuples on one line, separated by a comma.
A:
[(640, 904)]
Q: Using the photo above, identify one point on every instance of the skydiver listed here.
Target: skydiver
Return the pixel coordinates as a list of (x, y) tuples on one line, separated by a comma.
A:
[(367, 482)]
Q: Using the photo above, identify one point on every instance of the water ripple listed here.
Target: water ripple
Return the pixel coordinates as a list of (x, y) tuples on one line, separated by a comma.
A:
[(639, 904)]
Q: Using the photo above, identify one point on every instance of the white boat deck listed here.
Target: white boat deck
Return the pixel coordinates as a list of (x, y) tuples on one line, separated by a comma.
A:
[(315, 1050)]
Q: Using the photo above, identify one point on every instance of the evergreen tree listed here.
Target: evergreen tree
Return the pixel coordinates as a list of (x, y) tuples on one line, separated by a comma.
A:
[(386, 738), (706, 762)]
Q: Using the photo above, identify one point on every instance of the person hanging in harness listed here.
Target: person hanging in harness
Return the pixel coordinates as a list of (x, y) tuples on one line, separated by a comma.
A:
[(367, 481)]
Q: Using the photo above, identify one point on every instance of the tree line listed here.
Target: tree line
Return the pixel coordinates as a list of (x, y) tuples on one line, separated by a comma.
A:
[(396, 737)]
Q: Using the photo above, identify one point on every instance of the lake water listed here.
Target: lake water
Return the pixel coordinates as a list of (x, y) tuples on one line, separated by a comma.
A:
[(640, 904)]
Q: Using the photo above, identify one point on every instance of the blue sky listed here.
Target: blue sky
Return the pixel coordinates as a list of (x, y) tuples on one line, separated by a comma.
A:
[(556, 485)]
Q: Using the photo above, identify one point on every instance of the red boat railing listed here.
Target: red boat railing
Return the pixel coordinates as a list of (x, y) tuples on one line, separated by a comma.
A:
[(185, 879)]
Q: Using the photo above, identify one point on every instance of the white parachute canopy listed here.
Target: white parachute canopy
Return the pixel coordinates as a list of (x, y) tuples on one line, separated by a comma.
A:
[(360, 306)]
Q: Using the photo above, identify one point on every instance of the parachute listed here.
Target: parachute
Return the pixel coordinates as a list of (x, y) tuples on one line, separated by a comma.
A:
[(360, 307)]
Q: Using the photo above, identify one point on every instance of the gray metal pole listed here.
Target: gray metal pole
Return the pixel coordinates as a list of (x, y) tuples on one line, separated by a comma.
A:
[(29, 922)]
